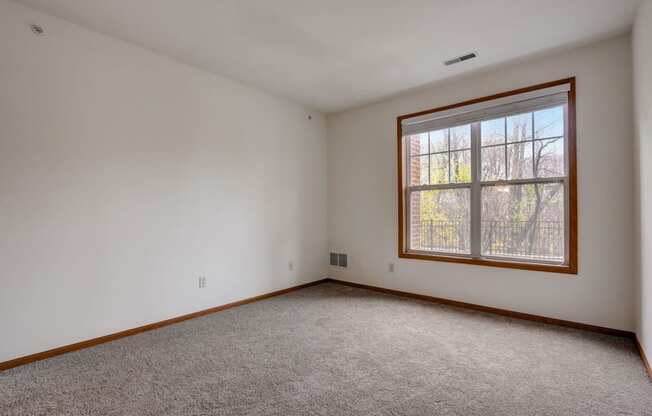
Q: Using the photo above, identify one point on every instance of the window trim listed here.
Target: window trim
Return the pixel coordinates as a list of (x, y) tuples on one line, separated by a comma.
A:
[(571, 267)]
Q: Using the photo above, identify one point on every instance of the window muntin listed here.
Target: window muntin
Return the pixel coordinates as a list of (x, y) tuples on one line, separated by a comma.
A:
[(497, 187), (441, 157)]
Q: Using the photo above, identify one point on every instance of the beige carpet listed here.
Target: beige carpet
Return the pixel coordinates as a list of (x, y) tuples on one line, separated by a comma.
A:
[(335, 350)]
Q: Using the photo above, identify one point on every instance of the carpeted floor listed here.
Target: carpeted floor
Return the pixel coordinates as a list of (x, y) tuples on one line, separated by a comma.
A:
[(335, 350)]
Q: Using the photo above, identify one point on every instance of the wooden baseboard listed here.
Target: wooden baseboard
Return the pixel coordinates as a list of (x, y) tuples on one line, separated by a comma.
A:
[(497, 311), (641, 351), (112, 337), (508, 313), (488, 309)]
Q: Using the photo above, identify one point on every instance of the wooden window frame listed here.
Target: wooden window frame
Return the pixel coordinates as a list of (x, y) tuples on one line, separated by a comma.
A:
[(571, 266)]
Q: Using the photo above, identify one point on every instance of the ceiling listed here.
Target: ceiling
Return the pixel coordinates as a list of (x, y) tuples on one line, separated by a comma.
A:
[(335, 54)]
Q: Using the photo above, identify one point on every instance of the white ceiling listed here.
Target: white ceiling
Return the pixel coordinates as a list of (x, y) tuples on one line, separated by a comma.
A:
[(335, 54)]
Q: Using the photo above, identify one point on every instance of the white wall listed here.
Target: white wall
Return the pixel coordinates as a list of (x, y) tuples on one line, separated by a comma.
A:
[(125, 175), (363, 199), (642, 50)]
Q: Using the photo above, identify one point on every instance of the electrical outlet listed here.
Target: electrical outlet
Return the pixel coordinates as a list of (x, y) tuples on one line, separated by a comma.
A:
[(290, 265), (202, 282), (391, 267)]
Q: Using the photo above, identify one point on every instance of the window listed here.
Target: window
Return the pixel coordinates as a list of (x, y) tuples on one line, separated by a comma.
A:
[(492, 181)]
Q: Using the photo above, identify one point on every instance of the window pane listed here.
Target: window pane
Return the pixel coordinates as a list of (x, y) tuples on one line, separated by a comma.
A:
[(419, 144), (461, 137), (419, 170), (493, 163), (440, 220), (439, 168), (549, 122), (549, 158), (461, 166), (492, 132), (519, 159), (439, 141), (519, 127), (523, 221)]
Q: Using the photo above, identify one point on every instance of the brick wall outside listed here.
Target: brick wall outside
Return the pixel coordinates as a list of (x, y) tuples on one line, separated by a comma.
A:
[(415, 203)]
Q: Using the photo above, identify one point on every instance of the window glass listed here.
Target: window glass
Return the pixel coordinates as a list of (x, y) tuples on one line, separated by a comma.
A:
[(493, 163), (439, 141), (549, 123), (439, 168), (460, 166), (461, 137), (519, 127), (519, 160), (440, 220), (549, 159), (523, 221), (419, 170), (492, 132)]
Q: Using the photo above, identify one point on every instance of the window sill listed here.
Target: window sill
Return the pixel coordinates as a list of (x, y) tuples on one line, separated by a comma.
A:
[(540, 267)]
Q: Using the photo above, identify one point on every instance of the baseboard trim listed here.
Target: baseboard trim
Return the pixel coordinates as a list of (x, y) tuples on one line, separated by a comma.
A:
[(508, 313), (488, 309), (641, 351), (133, 331), (496, 311)]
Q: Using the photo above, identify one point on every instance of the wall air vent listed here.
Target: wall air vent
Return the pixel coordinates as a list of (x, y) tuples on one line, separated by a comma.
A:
[(339, 259), (343, 260), (461, 58)]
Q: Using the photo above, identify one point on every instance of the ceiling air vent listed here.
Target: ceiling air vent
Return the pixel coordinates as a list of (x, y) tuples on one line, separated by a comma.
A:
[(461, 58)]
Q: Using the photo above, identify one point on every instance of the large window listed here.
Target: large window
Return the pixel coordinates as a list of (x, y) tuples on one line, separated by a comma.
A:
[(492, 180)]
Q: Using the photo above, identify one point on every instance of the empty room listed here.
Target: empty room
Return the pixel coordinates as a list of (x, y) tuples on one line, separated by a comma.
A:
[(345, 207)]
